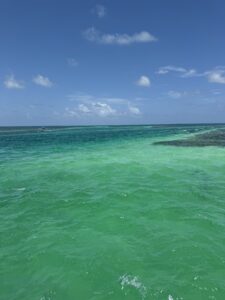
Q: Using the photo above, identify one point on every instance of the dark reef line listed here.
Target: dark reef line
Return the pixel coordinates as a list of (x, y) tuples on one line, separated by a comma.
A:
[(212, 138)]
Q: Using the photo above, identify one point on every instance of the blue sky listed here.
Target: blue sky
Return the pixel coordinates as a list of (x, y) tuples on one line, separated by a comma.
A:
[(76, 62)]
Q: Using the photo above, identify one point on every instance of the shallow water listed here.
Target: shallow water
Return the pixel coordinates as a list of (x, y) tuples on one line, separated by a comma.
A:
[(102, 213)]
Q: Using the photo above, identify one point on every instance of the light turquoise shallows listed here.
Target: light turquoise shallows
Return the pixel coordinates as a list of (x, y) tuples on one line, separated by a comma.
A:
[(93, 213)]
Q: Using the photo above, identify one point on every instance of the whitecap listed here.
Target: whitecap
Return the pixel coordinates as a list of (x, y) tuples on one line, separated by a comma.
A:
[(133, 281), (21, 189), (196, 277)]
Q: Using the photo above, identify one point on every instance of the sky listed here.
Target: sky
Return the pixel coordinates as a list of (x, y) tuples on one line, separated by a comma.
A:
[(89, 62)]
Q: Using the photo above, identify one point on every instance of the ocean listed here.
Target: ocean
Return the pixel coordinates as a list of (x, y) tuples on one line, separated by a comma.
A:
[(101, 212)]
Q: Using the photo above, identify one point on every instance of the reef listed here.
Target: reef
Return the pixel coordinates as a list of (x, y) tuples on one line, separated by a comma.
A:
[(212, 138)]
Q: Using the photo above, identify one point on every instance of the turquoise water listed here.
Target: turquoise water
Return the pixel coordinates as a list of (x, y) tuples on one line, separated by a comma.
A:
[(94, 213)]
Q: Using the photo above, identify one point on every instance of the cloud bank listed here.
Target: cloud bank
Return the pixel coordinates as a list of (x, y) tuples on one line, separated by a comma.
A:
[(89, 105)]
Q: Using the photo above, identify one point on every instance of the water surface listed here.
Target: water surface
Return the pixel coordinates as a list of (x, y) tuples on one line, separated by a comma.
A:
[(94, 213)]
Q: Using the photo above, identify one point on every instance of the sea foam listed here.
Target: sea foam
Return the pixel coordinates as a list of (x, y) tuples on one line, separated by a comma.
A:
[(133, 281)]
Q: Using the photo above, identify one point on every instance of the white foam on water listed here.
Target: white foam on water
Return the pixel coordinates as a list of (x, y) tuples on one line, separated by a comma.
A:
[(48, 296), (133, 281), (21, 189), (170, 297), (196, 277)]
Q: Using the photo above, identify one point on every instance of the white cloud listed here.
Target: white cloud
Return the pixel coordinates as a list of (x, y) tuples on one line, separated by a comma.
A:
[(100, 106), (134, 110), (216, 76), (103, 109), (11, 83), (144, 81), (167, 69), (183, 71), (83, 108), (86, 98), (93, 35), (175, 94), (69, 112), (100, 10), (72, 62), (99, 109), (43, 81), (190, 73)]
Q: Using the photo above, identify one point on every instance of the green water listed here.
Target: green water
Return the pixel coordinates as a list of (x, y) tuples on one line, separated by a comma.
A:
[(92, 213)]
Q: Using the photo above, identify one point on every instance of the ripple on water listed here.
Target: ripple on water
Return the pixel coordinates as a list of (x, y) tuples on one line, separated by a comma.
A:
[(154, 214)]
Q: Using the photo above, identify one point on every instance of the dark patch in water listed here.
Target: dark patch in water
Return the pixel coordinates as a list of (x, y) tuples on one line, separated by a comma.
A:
[(212, 138)]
